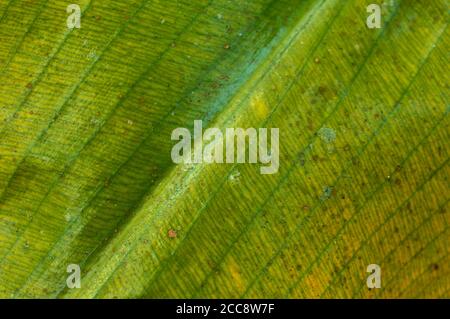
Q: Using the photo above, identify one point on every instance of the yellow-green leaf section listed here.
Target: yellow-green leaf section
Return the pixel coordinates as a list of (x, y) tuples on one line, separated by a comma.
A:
[(86, 176)]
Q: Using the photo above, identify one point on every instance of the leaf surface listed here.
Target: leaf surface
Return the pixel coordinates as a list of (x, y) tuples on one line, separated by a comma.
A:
[(86, 176)]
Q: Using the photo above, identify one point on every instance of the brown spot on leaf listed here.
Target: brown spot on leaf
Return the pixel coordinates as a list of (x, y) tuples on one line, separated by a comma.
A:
[(172, 233)]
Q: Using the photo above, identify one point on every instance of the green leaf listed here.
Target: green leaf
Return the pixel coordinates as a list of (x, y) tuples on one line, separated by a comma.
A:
[(86, 175)]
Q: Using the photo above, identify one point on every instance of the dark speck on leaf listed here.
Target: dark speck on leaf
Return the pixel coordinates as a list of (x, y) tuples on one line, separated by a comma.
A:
[(302, 159), (327, 192), (322, 90)]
